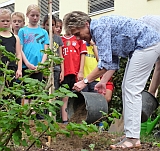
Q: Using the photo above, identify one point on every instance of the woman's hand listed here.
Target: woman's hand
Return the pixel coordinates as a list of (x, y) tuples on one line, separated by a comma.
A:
[(79, 85), (100, 88)]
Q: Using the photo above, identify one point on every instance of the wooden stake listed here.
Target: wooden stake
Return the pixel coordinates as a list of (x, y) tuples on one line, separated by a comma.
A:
[(50, 46)]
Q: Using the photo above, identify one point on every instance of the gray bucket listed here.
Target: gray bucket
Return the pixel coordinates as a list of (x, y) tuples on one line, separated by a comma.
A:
[(149, 104), (92, 104)]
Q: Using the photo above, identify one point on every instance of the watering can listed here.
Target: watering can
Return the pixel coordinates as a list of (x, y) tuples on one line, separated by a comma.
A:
[(148, 126)]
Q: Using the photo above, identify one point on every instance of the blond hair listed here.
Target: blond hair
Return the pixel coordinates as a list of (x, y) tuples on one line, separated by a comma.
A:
[(32, 7), (4, 11), (19, 14), (75, 19)]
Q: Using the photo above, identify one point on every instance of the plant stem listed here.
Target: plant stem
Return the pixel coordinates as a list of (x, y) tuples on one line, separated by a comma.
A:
[(37, 139)]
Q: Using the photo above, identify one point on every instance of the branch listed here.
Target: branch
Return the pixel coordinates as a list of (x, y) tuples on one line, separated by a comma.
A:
[(2, 87), (37, 139)]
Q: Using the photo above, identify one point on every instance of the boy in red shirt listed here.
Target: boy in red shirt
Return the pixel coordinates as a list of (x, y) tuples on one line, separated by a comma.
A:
[(74, 55)]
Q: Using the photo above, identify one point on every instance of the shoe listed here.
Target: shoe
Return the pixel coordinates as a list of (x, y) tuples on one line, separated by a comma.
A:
[(127, 143), (119, 139), (39, 117), (65, 122)]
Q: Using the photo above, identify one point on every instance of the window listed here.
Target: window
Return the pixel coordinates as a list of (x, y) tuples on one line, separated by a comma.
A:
[(100, 6), (44, 8), (8, 5)]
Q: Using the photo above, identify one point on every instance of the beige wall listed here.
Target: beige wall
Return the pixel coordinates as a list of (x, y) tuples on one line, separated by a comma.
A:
[(134, 8), (131, 8), (21, 5), (67, 6), (2, 1)]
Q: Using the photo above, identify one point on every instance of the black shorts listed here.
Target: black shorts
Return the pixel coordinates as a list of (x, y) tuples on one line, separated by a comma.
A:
[(38, 76), (70, 80)]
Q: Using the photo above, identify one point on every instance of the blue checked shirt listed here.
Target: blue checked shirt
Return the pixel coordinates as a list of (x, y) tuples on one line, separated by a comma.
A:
[(118, 36)]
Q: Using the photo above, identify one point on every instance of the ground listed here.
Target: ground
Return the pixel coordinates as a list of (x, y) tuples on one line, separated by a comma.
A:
[(102, 141)]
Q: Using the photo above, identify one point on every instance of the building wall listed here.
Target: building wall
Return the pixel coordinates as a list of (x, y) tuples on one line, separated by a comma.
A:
[(21, 5), (130, 8), (67, 6), (134, 8)]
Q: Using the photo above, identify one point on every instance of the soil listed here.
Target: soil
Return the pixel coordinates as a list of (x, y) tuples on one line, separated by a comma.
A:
[(79, 115), (102, 141)]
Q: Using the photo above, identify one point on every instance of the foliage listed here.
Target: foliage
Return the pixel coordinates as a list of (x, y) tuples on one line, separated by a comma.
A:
[(15, 123), (107, 119)]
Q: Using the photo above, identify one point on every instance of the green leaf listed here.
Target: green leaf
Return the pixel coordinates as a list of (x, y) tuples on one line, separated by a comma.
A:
[(156, 144), (27, 129), (38, 143), (94, 127), (24, 142), (58, 102), (65, 132), (71, 95), (110, 119), (83, 127), (17, 137), (80, 134), (103, 113)]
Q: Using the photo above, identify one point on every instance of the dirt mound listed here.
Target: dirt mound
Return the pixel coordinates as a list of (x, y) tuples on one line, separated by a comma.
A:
[(79, 115)]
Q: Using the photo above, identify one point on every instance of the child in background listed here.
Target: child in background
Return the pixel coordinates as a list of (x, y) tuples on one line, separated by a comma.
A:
[(74, 55), (57, 43), (109, 90), (91, 60), (33, 39), (11, 43), (18, 21), (58, 28)]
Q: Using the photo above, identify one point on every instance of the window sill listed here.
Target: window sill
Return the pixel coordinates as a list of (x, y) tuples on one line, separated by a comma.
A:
[(101, 11)]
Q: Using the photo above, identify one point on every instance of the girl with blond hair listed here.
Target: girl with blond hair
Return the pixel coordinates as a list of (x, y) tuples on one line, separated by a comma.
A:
[(18, 21), (33, 39)]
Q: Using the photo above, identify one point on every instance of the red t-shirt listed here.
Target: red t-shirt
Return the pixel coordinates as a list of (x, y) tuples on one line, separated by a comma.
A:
[(72, 50)]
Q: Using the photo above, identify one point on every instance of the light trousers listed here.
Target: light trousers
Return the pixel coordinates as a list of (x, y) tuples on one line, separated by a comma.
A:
[(137, 71)]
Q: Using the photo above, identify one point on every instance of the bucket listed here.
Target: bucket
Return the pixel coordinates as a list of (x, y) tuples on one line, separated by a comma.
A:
[(90, 104), (149, 104)]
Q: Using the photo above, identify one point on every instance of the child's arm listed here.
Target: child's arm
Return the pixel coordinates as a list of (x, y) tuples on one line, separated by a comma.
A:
[(95, 52), (19, 56), (62, 65), (81, 69), (94, 49), (44, 58), (26, 62)]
